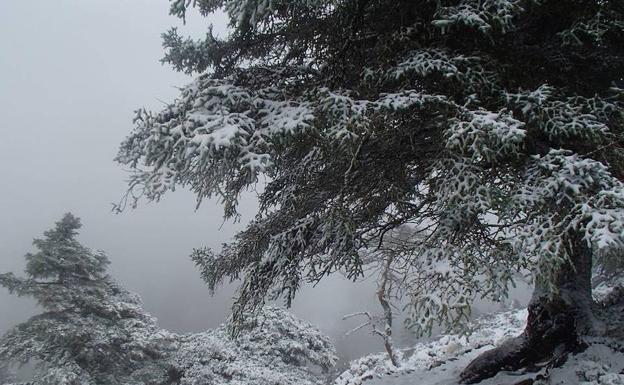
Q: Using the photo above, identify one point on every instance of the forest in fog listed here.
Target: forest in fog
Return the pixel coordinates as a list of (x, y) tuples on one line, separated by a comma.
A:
[(334, 192)]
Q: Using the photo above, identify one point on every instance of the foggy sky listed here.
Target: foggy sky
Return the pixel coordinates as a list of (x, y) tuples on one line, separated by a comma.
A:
[(71, 74)]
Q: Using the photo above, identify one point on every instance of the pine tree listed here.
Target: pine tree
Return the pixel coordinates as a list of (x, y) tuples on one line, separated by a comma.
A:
[(494, 127), (92, 331)]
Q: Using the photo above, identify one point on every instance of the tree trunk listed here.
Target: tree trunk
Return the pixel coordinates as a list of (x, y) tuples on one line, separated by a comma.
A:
[(554, 323), (381, 296)]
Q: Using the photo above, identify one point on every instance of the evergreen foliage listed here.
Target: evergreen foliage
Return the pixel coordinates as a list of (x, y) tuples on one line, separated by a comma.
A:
[(276, 348), (368, 114), (94, 332), (493, 127), (91, 331)]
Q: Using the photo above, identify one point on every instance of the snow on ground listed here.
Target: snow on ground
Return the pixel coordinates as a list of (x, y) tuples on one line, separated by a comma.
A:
[(439, 362)]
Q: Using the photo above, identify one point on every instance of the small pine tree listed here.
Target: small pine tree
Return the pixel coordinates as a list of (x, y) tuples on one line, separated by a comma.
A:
[(92, 331)]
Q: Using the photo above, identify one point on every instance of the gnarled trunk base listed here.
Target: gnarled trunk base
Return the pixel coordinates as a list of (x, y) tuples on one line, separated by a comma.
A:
[(549, 329), (554, 324)]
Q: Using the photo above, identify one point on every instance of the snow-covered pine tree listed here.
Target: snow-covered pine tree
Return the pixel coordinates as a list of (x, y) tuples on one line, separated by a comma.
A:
[(92, 331), (492, 126)]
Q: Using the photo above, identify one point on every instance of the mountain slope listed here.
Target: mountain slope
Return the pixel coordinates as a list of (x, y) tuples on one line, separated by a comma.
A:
[(600, 360)]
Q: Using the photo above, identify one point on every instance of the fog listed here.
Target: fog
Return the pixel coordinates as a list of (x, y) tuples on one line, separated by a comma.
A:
[(71, 74)]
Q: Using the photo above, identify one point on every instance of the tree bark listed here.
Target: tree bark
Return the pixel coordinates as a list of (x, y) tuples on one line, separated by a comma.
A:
[(554, 324), (381, 296)]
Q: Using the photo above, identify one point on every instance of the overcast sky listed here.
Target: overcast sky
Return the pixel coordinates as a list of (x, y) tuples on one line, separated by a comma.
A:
[(71, 74)]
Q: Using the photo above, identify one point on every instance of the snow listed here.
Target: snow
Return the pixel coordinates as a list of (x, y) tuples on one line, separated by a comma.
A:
[(269, 120), (598, 364), (440, 361), (486, 135), (483, 15), (93, 331), (425, 62)]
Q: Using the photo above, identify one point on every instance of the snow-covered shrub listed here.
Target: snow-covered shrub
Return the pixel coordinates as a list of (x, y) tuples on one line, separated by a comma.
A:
[(276, 348)]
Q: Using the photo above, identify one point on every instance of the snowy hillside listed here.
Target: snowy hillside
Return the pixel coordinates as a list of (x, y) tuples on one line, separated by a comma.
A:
[(440, 361)]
